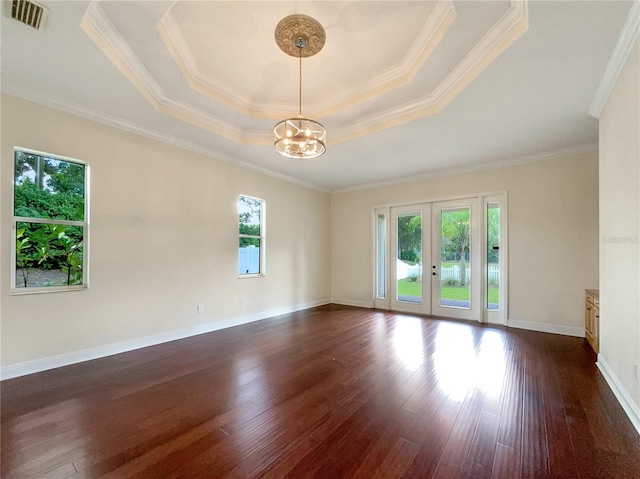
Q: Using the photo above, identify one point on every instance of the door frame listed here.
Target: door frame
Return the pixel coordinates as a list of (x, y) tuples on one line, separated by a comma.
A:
[(498, 196), (381, 301), (502, 314)]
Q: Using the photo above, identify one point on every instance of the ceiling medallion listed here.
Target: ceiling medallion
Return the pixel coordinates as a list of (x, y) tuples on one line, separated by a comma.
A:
[(300, 36), (300, 26)]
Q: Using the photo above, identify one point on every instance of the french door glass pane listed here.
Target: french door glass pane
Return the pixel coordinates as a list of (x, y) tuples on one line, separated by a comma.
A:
[(493, 256), (455, 260), (380, 241), (409, 258)]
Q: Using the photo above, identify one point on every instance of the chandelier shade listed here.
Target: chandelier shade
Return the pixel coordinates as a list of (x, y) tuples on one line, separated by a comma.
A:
[(300, 137)]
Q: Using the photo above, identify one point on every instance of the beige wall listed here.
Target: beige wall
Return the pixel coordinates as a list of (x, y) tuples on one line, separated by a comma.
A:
[(163, 239), (553, 234), (619, 230)]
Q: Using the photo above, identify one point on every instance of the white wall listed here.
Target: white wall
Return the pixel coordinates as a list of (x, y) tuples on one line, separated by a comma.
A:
[(163, 239), (619, 230), (553, 235)]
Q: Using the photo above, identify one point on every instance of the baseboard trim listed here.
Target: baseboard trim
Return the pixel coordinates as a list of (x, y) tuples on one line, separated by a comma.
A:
[(349, 302), (630, 408), (51, 362), (576, 331)]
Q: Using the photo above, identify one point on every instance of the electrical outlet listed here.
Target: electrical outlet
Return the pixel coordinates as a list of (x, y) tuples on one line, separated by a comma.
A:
[(635, 372), (240, 303), (199, 309)]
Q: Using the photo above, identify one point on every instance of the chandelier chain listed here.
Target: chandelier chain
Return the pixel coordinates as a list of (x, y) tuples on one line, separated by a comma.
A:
[(300, 82)]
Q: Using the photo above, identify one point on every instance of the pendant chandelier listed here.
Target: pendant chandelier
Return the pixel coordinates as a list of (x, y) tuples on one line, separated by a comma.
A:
[(300, 36)]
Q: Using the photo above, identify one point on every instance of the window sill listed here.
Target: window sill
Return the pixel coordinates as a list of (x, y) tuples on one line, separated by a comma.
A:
[(247, 276), (47, 289)]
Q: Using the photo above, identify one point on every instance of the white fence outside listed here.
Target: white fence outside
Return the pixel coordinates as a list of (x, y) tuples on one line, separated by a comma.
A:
[(249, 260), (446, 272), (404, 270), (493, 274), (453, 273)]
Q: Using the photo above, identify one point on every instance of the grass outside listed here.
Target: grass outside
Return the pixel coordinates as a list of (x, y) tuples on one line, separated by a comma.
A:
[(412, 288), (449, 264)]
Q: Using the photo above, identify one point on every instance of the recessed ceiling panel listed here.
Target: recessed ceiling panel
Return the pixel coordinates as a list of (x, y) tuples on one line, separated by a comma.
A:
[(364, 41)]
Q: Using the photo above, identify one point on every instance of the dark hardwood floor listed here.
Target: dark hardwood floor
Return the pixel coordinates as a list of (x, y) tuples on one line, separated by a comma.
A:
[(330, 392)]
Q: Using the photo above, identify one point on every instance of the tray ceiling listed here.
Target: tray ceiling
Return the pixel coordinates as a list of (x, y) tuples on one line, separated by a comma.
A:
[(403, 88), (227, 54)]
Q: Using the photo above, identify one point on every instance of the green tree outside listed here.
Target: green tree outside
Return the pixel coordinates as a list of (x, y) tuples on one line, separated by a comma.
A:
[(249, 221), (51, 189)]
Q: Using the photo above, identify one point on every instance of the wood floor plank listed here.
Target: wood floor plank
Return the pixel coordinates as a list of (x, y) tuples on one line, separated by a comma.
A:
[(563, 463), (588, 461), (397, 461), (436, 426), (479, 462), (507, 463), (510, 433), (371, 461), (333, 391), (535, 458), (458, 444)]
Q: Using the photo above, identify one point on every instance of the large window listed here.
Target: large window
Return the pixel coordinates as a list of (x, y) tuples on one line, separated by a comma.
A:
[(252, 236), (50, 222)]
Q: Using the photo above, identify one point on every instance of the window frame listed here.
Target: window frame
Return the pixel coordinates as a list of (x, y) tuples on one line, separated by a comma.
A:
[(501, 315), (25, 219), (261, 237)]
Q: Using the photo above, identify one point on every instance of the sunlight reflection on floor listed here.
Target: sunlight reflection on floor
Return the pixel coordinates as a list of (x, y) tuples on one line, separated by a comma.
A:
[(460, 365), (408, 344)]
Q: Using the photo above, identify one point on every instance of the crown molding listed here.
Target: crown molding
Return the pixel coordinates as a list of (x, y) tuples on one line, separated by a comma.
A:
[(141, 130), (513, 23), (216, 155), (443, 16), (430, 36), (175, 42), (624, 45), (98, 27), (521, 160)]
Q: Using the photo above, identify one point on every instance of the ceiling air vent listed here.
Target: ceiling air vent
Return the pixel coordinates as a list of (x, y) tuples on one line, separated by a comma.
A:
[(28, 13)]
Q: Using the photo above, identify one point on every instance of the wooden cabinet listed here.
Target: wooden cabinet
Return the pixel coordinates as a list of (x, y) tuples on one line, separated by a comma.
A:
[(592, 318)]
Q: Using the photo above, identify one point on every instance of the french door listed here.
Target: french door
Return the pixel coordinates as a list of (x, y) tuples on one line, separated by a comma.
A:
[(429, 258), (410, 252), (456, 259)]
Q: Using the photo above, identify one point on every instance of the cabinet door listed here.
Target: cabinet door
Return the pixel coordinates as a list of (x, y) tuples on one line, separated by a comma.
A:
[(595, 328), (588, 319)]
